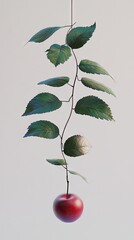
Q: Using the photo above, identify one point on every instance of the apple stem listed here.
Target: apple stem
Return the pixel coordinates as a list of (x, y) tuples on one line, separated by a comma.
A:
[(66, 166), (67, 183)]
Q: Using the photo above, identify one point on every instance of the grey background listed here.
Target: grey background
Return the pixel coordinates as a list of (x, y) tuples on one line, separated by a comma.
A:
[(28, 184)]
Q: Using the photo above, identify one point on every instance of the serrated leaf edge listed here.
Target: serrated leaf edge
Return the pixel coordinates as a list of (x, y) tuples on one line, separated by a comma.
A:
[(56, 64), (35, 41), (43, 82), (93, 25), (35, 97), (101, 84), (26, 135), (106, 72), (109, 119)]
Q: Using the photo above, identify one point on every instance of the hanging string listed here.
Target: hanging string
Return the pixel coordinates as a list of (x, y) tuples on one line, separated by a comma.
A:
[(71, 13)]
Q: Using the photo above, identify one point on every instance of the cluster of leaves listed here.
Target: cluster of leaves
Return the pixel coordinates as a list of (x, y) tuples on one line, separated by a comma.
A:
[(47, 102)]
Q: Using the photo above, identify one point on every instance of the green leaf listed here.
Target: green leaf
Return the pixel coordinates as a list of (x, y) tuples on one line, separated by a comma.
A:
[(58, 162), (58, 54), (75, 173), (94, 107), (42, 103), (92, 67), (55, 82), (78, 36), (44, 34), (43, 129), (76, 146), (96, 85)]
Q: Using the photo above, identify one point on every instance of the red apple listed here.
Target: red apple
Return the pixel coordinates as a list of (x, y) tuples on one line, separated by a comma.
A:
[(68, 207)]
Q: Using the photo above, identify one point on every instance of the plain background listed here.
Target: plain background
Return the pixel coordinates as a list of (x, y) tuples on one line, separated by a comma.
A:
[(28, 184)]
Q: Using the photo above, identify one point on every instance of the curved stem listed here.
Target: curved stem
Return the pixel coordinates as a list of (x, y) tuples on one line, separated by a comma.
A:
[(69, 117), (66, 124), (72, 95)]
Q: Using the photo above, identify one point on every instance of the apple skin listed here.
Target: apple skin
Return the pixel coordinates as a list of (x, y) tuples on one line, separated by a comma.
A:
[(68, 207)]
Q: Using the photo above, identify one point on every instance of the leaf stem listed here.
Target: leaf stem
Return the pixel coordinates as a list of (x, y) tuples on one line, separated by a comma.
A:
[(69, 84), (67, 100)]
